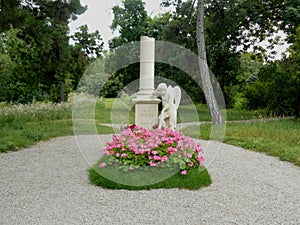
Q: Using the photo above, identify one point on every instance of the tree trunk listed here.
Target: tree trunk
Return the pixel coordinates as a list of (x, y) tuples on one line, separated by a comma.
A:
[(62, 91), (204, 70)]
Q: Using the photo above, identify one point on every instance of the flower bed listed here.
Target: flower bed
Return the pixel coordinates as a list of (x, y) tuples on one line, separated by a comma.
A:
[(138, 147), (138, 151)]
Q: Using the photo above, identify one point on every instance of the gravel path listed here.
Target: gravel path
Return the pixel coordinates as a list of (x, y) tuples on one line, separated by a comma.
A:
[(48, 184)]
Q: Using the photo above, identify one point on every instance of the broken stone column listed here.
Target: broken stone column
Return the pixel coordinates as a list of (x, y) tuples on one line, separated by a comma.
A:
[(146, 105)]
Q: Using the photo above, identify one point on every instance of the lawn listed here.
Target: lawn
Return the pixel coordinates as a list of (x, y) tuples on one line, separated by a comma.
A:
[(24, 125), (140, 180), (280, 138)]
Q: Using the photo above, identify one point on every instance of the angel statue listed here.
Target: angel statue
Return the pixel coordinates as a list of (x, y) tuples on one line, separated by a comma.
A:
[(170, 100)]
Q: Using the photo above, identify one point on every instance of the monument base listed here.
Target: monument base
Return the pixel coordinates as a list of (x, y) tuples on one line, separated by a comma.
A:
[(146, 112)]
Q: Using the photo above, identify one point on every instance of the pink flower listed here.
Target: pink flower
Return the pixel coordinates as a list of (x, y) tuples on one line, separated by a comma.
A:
[(156, 145), (152, 163), (119, 145), (102, 165), (172, 150), (189, 155), (184, 172), (106, 152), (164, 158), (200, 159), (157, 157), (131, 168), (198, 148)]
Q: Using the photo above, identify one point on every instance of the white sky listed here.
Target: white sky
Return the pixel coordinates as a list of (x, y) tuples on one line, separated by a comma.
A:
[(99, 16)]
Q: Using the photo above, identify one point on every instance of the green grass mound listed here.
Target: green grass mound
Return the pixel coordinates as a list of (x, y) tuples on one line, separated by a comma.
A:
[(195, 179)]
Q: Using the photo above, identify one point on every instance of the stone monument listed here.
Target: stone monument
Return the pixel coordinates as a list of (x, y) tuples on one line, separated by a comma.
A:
[(146, 105), (170, 99)]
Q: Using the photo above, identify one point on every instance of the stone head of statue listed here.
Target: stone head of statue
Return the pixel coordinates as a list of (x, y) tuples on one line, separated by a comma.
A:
[(161, 90)]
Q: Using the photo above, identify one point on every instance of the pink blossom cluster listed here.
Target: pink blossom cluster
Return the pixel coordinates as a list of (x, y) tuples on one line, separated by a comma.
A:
[(143, 147)]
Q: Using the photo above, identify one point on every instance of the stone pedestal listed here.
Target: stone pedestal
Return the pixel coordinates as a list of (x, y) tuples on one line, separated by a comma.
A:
[(146, 105), (146, 112)]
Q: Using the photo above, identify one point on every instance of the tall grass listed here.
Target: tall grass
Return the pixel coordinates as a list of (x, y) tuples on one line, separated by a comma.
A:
[(23, 125)]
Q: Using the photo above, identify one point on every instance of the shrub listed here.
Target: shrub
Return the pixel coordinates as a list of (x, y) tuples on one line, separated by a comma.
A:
[(140, 159), (139, 148)]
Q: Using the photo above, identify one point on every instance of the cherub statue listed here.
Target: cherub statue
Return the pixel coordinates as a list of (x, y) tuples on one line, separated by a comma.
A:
[(170, 100)]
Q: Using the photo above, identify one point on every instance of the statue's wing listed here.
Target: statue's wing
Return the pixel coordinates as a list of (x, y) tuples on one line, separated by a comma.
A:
[(176, 96)]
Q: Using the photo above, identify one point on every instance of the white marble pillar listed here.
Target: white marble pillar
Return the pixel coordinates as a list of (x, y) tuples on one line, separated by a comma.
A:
[(146, 105), (147, 60)]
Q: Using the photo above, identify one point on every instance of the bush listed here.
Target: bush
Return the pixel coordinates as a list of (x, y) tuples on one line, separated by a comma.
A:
[(142, 157), (276, 89), (240, 101)]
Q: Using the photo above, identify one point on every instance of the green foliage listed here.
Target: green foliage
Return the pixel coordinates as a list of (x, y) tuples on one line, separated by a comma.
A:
[(231, 28), (277, 88), (229, 25), (240, 101), (89, 43), (130, 19), (94, 79), (179, 25), (112, 87), (290, 18), (172, 27), (40, 62), (255, 94)]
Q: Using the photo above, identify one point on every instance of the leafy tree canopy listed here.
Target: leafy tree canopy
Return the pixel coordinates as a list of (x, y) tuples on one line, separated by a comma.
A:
[(35, 45)]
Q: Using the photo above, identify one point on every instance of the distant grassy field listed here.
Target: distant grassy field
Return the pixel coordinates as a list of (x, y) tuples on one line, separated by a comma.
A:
[(280, 138), (24, 125)]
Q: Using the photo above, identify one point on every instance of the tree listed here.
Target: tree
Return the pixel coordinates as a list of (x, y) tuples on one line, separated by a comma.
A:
[(277, 85), (295, 70), (179, 25), (60, 11), (39, 49), (131, 21), (291, 18), (207, 87), (89, 43), (20, 81), (233, 27)]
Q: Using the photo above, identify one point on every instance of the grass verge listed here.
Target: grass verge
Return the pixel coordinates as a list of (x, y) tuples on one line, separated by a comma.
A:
[(108, 178), (280, 138)]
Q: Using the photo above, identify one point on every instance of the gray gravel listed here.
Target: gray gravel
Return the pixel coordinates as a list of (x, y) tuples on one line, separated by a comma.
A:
[(48, 184)]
